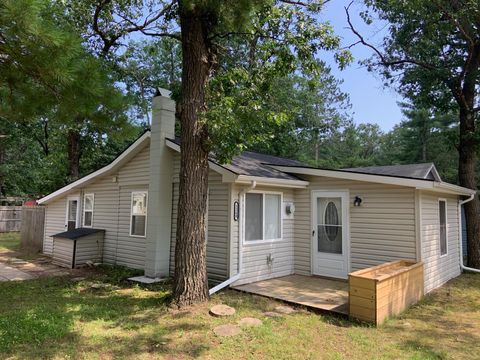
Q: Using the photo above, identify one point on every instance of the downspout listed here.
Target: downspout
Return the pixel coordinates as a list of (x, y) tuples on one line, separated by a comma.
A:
[(460, 203), (234, 278)]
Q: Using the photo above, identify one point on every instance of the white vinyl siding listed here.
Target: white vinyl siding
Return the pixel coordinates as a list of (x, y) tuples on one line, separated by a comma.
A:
[(439, 269), (55, 213), (217, 224), (255, 254), (111, 212), (382, 229), (89, 248)]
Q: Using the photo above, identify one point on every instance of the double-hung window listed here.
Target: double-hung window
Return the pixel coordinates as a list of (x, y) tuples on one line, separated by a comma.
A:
[(263, 216), (138, 214), (88, 200), (442, 214)]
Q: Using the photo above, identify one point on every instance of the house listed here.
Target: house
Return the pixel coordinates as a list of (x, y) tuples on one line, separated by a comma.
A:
[(268, 217)]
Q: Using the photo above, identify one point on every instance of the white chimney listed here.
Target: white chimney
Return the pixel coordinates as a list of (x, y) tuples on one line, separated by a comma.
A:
[(157, 259)]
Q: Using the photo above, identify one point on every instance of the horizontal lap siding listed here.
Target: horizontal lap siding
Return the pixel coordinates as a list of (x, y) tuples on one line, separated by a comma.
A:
[(105, 213), (63, 252), (130, 250), (382, 229), (439, 270), (89, 248), (55, 214), (111, 212), (254, 266), (217, 224)]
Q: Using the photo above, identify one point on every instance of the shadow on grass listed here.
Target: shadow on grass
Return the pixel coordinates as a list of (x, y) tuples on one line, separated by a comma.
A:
[(46, 318)]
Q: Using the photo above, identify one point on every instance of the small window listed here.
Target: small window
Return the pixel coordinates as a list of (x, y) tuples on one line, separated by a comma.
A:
[(138, 220), (88, 201), (263, 216), (442, 213)]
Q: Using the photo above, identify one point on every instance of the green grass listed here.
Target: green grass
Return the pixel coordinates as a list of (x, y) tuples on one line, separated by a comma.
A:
[(104, 317), (9, 241)]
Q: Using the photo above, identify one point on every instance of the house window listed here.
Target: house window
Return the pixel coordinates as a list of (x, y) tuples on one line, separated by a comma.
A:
[(88, 201), (263, 216), (138, 219), (442, 213)]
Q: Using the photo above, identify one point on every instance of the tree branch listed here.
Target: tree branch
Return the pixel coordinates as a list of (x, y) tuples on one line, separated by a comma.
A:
[(110, 41), (383, 59)]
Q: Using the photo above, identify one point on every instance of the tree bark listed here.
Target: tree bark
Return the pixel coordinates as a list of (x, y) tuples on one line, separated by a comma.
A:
[(190, 280), (467, 177), (73, 154)]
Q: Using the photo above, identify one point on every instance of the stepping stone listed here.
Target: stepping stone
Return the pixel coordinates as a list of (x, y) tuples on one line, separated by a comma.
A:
[(272, 314), (283, 309), (227, 330), (222, 310), (75, 279), (250, 322)]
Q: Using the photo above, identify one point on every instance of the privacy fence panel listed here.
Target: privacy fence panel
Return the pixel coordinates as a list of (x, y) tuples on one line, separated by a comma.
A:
[(31, 235), (10, 218)]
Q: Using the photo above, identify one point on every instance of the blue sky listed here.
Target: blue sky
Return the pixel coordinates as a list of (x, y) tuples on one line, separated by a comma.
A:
[(371, 102)]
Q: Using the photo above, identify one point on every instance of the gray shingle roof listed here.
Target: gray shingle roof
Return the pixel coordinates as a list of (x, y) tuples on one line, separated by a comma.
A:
[(424, 171), (255, 164)]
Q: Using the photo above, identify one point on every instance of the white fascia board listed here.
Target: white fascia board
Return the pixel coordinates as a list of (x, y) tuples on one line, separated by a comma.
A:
[(389, 180), (120, 160), (452, 189), (265, 181), (421, 184), (227, 175)]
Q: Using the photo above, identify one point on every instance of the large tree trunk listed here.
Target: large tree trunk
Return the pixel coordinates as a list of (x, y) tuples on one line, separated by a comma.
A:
[(466, 171), (190, 280), (73, 154)]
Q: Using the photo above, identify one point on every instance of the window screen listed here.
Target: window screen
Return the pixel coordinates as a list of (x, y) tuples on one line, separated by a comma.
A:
[(262, 216), (442, 211), (253, 217), (139, 214)]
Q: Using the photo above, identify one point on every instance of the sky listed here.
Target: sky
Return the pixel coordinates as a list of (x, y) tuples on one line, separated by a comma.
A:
[(371, 102)]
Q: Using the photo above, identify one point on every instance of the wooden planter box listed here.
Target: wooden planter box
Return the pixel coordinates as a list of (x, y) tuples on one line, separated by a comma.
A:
[(385, 290)]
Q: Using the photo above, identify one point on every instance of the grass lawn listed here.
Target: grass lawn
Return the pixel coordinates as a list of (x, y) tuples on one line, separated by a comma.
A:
[(104, 317), (9, 241)]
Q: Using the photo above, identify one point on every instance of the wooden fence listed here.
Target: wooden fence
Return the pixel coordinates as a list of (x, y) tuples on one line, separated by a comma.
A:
[(31, 234), (10, 218)]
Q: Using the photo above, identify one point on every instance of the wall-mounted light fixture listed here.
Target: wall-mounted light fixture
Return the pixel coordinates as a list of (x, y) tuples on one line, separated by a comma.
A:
[(236, 210), (357, 201), (289, 209)]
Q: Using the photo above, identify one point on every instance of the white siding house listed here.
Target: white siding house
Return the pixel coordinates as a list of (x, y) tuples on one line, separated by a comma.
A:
[(268, 217)]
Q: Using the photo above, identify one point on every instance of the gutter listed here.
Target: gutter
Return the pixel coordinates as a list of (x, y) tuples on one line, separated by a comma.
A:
[(460, 203), (234, 278)]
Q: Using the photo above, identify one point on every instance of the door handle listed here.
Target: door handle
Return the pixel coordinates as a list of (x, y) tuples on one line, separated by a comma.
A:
[(313, 232)]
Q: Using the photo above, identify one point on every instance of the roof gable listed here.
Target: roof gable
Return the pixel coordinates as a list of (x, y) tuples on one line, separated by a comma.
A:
[(425, 171)]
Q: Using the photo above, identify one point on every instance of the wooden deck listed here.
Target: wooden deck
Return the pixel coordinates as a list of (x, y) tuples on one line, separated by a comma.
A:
[(310, 291)]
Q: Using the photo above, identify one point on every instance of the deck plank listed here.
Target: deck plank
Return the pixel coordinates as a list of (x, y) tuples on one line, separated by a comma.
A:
[(310, 291)]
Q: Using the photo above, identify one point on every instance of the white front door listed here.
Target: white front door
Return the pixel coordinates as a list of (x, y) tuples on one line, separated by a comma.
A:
[(72, 219), (330, 238)]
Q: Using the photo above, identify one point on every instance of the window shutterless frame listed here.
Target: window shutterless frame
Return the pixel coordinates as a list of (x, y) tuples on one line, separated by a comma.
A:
[(78, 213), (444, 201), (85, 196), (139, 192), (243, 217)]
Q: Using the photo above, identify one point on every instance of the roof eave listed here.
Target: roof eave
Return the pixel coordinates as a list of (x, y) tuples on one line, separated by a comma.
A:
[(389, 180), (266, 181)]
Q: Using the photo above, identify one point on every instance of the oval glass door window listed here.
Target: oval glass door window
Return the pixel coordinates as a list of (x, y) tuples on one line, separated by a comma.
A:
[(331, 218)]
